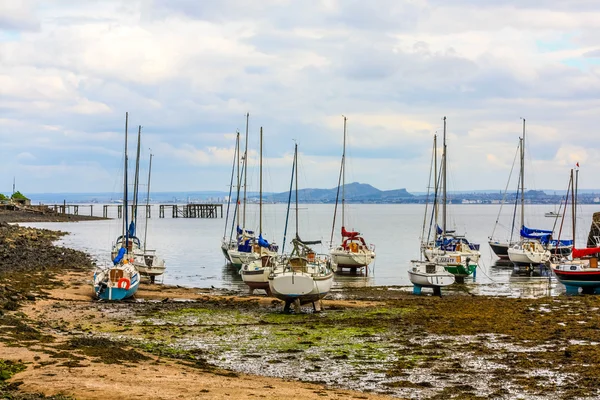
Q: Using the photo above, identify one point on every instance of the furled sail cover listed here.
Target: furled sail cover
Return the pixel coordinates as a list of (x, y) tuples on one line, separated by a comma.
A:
[(307, 242), (578, 253), (440, 230), (262, 242), (347, 234), (132, 229), (540, 234), (120, 255), (241, 231)]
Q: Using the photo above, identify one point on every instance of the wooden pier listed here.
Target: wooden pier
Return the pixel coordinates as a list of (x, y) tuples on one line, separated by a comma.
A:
[(192, 210)]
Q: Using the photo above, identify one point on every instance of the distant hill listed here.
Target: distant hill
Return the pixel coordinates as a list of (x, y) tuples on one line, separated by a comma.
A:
[(354, 192)]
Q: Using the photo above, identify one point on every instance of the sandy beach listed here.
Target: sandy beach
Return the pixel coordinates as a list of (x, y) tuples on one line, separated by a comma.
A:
[(173, 342)]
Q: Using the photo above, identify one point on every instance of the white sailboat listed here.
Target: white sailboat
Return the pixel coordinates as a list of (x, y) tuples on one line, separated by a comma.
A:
[(247, 248), (426, 273), (581, 271), (527, 251), (455, 252), (256, 273), (353, 252), (303, 276), (229, 243), (146, 260), (122, 279)]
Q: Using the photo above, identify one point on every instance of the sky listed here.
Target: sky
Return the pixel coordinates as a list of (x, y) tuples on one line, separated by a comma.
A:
[(188, 71)]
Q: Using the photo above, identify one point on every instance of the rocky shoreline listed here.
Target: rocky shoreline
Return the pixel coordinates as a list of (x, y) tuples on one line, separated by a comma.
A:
[(369, 343)]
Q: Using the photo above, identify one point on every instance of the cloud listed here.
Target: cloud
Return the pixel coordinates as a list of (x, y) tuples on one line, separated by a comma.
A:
[(188, 73)]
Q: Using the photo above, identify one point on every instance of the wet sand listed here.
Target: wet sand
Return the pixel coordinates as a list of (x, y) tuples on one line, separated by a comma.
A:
[(174, 342)]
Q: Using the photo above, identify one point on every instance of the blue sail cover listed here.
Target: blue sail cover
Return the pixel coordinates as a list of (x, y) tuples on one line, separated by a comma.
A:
[(262, 242), (539, 234), (120, 255), (241, 231), (440, 230), (132, 229)]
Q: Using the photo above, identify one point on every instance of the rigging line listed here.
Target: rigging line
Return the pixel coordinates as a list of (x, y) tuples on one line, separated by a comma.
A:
[(512, 228), (231, 186), (427, 197), (563, 217), (506, 190), (337, 195), (237, 201), (435, 203), (483, 271)]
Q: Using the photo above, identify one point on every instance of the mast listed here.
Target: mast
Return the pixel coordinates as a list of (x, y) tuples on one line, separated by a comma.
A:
[(136, 180), (245, 171), (296, 158), (124, 233), (523, 176), (287, 214), (261, 181), (235, 156), (573, 205), (575, 202), (445, 197), (435, 181), (344, 174), (237, 200), (147, 202)]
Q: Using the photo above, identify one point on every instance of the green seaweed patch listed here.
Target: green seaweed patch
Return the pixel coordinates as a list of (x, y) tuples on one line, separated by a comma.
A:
[(200, 315), (9, 368), (103, 349)]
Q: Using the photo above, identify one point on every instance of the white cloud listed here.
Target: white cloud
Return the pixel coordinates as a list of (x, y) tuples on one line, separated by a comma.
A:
[(188, 72)]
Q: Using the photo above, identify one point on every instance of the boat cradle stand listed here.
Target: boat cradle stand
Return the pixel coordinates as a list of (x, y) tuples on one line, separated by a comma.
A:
[(317, 306), (437, 291)]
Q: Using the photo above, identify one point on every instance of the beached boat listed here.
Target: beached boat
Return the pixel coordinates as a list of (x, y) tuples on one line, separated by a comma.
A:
[(581, 271), (457, 254), (500, 247), (427, 274), (146, 260), (353, 252), (122, 279), (256, 273), (303, 276), (529, 250)]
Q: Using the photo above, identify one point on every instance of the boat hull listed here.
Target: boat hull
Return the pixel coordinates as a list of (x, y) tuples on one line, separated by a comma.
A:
[(108, 287), (256, 276), (291, 286), (500, 249), (578, 275), (419, 276), (347, 259), (239, 258), (526, 257)]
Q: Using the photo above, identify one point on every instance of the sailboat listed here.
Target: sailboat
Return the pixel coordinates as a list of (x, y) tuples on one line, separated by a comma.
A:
[(454, 252), (353, 252), (122, 279), (533, 244), (529, 250), (256, 273), (247, 248), (228, 243), (303, 276), (134, 242), (146, 260), (582, 270), (426, 273)]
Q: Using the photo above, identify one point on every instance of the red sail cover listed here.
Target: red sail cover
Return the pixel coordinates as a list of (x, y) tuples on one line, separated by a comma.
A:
[(578, 253), (347, 234)]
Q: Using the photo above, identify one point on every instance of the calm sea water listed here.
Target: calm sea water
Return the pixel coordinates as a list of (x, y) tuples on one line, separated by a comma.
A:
[(191, 247)]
